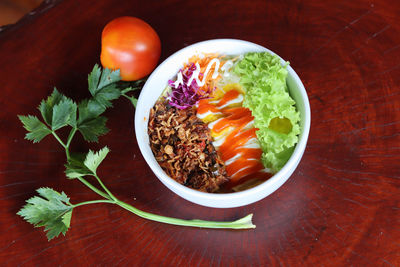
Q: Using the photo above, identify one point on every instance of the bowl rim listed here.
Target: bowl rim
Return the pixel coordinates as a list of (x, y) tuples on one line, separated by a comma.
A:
[(278, 178)]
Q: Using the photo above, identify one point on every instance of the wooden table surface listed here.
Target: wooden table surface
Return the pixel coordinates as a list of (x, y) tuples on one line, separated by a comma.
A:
[(339, 208)]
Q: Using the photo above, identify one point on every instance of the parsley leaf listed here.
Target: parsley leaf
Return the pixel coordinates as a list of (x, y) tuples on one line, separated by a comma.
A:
[(93, 128), (80, 165), (99, 79), (93, 159), (46, 106), (64, 113), (133, 100), (75, 167), (58, 110), (50, 209), (104, 96), (103, 87), (88, 110), (37, 129), (93, 79)]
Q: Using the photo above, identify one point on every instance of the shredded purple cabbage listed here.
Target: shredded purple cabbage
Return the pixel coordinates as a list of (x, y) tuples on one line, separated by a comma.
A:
[(184, 95)]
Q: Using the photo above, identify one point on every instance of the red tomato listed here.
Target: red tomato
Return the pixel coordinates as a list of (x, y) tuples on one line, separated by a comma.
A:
[(131, 45)]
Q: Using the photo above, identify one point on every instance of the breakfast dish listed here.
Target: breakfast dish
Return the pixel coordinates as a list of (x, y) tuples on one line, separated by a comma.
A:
[(225, 123)]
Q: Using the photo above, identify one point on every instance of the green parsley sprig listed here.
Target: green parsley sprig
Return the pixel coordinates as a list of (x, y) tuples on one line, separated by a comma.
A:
[(52, 209)]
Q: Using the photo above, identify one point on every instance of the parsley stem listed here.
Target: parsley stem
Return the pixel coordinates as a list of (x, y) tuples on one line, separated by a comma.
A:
[(95, 189), (94, 202), (133, 86), (243, 223), (131, 98), (108, 195), (70, 136), (58, 139), (105, 188), (127, 90)]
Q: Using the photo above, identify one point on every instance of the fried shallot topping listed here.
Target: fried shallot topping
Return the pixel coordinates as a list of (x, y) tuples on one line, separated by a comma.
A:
[(182, 145)]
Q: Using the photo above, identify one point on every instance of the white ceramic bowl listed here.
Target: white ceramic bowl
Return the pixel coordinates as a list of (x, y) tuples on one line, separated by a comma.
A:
[(157, 82)]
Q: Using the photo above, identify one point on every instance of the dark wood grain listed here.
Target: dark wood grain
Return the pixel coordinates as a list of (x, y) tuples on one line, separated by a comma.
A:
[(339, 208)]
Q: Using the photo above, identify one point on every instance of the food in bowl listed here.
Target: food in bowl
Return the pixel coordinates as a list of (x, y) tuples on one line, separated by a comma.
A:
[(225, 122), (182, 145)]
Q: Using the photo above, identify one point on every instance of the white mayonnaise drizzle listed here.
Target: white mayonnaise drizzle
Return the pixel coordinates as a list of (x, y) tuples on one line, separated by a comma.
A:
[(202, 116), (179, 79), (196, 73), (252, 143), (238, 99), (212, 124), (195, 76), (231, 160), (218, 141), (245, 167)]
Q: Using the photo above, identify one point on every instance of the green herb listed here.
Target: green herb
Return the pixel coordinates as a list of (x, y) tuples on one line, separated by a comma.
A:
[(53, 210)]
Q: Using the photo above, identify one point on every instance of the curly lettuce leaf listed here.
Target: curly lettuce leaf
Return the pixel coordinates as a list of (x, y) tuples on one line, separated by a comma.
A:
[(274, 111)]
